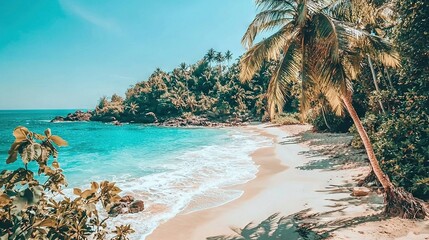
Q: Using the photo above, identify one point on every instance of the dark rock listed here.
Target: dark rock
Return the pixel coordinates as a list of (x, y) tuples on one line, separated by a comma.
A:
[(58, 119), (103, 118), (76, 116), (136, 206), (118, 208), (127, 199)]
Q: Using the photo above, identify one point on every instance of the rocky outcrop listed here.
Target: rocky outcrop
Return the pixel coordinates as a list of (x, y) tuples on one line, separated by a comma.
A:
[(127, 204), (199, 121), (151, 118), (103, 118), (73, 117)]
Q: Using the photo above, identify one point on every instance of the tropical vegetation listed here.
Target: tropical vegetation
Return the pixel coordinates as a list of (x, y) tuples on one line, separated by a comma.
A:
[(323, 46), (209, 88), (36, 208)]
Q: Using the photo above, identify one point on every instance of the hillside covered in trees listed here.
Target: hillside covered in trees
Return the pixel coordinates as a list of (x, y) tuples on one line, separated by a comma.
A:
[(208, 91)]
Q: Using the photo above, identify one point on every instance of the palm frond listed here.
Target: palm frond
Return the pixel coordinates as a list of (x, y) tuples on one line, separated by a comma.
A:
[(382, 51), (264, 21), (362, 42), (333, 96), (302, 14), (286, 72), (269, 48), (276, 4), (354, 11)]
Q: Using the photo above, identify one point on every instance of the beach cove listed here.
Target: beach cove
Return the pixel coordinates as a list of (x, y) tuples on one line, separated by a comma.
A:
[(297, 173)]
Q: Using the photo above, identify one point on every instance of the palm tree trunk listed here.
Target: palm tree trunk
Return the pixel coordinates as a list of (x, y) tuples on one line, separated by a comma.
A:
[(382, 178), (398, 201), (389, 78), (324, 119), (374, 79)]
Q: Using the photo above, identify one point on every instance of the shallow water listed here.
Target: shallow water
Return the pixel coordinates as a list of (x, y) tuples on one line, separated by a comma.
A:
[(171, 169)]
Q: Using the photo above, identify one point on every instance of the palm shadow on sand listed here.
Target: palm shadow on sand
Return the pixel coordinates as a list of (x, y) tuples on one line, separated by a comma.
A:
[(332, 151), (299, 226)]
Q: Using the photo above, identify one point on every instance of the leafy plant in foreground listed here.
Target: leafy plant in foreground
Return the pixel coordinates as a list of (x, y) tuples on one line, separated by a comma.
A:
[(31, 209)]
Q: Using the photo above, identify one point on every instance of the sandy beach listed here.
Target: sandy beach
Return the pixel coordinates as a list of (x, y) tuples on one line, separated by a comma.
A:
[(295, 174)]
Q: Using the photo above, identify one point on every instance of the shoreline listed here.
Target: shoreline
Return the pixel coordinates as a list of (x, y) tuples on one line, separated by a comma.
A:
[(268, 164), (282, 185)]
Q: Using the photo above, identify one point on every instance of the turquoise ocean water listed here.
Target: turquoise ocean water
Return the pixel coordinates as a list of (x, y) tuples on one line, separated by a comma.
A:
[(171, 169)]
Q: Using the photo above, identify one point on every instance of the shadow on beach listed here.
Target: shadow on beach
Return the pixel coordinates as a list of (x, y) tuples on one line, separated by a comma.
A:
[(331, 152), (299, 226)]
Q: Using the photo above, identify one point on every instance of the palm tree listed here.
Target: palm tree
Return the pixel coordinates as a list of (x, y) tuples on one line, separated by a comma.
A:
[(316, 49), (219, 58), (183, 67), (228, 56), (133, 108), (210, 56), (366, 15)]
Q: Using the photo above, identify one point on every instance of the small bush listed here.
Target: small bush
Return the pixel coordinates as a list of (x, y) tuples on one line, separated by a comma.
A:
[(287, 119), (337, 124)]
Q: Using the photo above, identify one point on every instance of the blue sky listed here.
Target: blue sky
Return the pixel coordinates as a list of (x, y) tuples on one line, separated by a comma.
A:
[(69, 53)]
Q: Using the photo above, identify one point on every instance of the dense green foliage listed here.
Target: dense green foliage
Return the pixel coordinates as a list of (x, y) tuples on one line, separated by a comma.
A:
[(209, 88), (31, 209), (333, 123), (401, 136)]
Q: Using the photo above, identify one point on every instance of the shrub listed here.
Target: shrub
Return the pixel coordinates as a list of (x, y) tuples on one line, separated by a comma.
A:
[(287, 119), (34, 210), (335, 123), (401, 143)]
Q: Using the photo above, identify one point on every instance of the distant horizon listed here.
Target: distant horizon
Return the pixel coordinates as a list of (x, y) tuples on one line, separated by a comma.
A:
[(71, 53)]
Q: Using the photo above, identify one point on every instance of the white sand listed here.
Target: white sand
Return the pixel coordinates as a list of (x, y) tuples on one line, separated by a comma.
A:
[(280, 186)]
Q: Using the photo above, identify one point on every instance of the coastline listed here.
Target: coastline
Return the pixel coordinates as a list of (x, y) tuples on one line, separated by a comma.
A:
[(208, 219), (282, 186)]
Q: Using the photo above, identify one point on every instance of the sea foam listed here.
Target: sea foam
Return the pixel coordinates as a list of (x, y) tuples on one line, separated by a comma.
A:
[(192, 181)]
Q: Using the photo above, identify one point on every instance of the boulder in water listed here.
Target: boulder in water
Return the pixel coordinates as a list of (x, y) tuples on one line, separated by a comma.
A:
[(136, 206)]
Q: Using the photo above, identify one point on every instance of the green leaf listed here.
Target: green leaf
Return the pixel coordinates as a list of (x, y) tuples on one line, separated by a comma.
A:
[(49, 222), (77, 191), (87, 193), (55, 164), (12, 157), (48, 132), (58, 141), (20, 133)]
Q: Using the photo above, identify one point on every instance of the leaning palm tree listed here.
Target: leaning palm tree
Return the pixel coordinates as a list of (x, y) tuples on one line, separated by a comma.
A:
[(315, 49)]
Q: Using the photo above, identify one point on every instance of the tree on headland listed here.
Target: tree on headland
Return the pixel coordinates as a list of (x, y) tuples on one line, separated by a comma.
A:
[(315, 49), (219, 58), (228, 56), (191, 90), (210, 56)]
